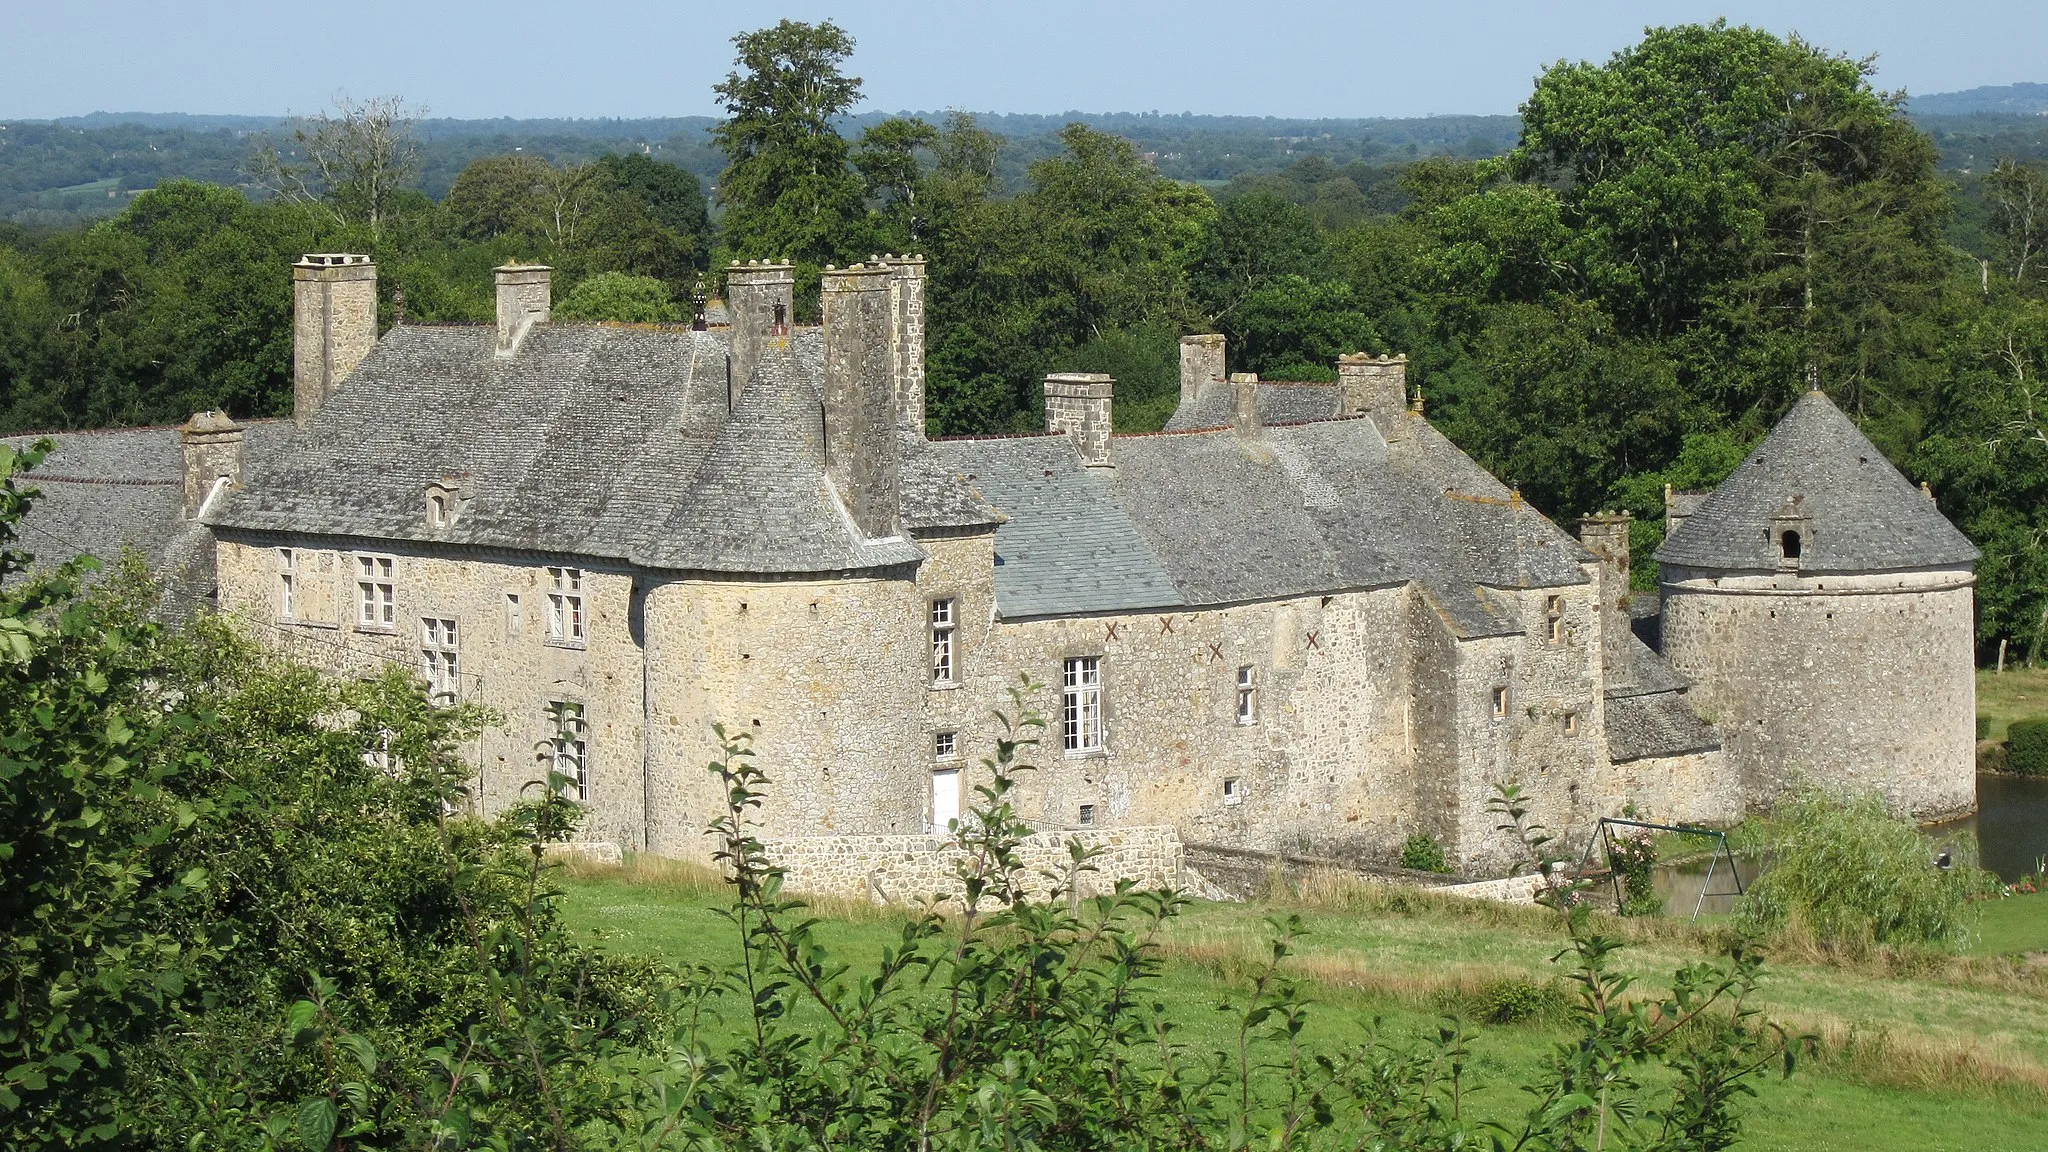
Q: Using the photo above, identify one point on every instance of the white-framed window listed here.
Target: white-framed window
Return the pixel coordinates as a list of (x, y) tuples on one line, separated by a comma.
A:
[(1233, 790), (1571, 723), (287, 584), (565, 606), (1553, 612), (942, 642), (1500, 702), (439, 665), (1087, 816), (515, 615), (1247, 696), (376, 594), (1081, 704), (571, 746), (437, 510), (946, 746)]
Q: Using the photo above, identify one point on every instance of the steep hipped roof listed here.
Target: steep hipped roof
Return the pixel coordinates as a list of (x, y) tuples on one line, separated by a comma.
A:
[(598, 441), (1214, 518), (1860, 513)]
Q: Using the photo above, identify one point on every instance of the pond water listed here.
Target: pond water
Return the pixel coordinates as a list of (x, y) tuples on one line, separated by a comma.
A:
[(2010, 826)]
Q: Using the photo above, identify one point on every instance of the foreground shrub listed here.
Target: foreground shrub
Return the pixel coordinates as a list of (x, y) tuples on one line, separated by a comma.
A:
[(1851, 876), (1422, 853), (2026, 747)]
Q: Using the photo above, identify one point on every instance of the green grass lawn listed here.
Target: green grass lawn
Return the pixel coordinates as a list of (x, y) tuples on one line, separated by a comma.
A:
[(2014, 924), (1955, 1058), (2015, 694)]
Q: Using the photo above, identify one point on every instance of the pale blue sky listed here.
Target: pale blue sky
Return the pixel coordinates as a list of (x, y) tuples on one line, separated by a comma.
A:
[(645, 58)]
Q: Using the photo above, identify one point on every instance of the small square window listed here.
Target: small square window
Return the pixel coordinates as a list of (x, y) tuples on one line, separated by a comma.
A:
[(1500, 703), (1233, 790), (1087, 816), (946, 746)]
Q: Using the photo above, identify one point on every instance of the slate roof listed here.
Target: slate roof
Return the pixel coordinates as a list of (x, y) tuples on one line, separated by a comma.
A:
[(598, 441), (1210, 518), (1655, 725), (1864, 515), (1279, 403), (105, 491)]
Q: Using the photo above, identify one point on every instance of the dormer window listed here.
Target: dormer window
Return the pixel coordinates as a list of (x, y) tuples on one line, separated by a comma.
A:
[(445, 499), (1788, 544), (438, 512)]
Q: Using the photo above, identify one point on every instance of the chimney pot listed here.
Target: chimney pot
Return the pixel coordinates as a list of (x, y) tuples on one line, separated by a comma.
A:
[(525, 298), (759, 298), (334, 324), (1078, 404), (1376, 387), (1201, 364), (1244, 403), (212, 447)]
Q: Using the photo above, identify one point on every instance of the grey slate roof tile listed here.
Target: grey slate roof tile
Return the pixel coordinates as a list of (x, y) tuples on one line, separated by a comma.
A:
[(1279, 403), (1865, 516), (1655, 725)]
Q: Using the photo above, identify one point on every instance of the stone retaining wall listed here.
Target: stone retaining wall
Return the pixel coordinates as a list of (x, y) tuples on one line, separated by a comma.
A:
[(915, 869)]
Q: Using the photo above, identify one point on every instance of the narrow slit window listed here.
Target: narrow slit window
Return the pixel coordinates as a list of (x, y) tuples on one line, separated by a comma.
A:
[(1500, 702), (287, 585), (1553, 612), (1247, 696), (1081, 704), (515, 615), (1571, 723), (942, 642)]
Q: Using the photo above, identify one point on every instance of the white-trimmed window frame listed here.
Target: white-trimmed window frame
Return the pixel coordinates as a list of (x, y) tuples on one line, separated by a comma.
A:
[(942, 617), (1247, 711), (440, 658), (946, 747), (376, 592), (568, 619), (1081, 719), (570, 744), (288, 584)]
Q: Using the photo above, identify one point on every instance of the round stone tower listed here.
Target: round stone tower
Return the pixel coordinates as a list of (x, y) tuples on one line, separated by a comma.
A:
[(1823, 608)]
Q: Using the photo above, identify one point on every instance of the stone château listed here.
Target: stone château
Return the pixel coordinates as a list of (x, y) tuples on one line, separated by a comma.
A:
[(1298, 619)]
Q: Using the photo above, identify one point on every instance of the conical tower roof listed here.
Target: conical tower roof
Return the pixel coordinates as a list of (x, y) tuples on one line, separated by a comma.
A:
[(1817, 472)]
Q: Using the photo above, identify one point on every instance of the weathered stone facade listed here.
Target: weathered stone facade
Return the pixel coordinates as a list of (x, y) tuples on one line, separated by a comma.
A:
[(920, 869), (334, 324), (1300, 622)]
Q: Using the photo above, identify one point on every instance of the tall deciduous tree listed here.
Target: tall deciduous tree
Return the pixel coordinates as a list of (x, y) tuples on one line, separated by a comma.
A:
[(788, 189), (352, 164)]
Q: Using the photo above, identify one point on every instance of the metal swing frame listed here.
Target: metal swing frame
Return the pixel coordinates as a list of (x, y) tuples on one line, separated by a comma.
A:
[(1603, 836)]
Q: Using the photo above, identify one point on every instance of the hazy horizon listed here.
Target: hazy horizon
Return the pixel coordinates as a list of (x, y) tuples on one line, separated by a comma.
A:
[(1305, 61)]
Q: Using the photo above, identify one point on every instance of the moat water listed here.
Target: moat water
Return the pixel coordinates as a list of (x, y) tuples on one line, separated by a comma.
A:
[(2010, 828)]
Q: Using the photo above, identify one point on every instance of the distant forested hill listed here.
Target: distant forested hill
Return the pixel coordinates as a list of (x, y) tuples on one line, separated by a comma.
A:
[(2001, 99)]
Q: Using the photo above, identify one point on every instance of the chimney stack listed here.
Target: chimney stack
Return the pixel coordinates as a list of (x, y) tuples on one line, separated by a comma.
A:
[(334, 325), (212, 446), (861, 454), (1201, 364), (906, 337), (1605, 535), (525, 298), (1244, 403), (1375, 386), (1078, 404), (761, 300)]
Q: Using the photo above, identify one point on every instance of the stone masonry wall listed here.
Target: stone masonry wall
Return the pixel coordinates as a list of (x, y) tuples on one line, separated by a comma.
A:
[(918, 869), (1861, 680), (508, 663)]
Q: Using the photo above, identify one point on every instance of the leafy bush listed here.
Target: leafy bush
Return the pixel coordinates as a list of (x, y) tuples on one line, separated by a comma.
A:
[(2026, 747), (1422, 853), (620, 297), (1634, 859), (1851, 875), (1513, 1001)]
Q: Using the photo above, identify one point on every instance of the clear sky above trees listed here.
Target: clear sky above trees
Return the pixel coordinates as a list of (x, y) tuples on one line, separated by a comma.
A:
[(643, 57)]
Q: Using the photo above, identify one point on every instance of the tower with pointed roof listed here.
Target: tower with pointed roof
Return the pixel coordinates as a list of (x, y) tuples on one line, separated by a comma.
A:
[(1822, 606)]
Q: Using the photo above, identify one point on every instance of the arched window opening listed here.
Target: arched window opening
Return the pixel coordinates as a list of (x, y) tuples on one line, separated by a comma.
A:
[(781, 327), (1789, 544)]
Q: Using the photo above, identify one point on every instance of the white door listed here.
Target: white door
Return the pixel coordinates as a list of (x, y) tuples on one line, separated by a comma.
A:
[(945, 798)]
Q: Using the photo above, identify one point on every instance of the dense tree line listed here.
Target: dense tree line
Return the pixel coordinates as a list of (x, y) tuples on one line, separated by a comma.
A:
[(1680, 240)]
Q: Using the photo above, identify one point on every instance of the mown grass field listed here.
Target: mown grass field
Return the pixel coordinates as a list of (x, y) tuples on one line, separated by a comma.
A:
[(1940, 1054), (2014, 694)]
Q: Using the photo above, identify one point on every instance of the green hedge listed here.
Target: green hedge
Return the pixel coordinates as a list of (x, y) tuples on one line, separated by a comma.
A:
[(2026, 747)]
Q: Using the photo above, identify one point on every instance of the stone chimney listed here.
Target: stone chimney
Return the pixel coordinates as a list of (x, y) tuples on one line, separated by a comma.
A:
[(213, 452), (334, 325), (906, 337), (1679, 506), (1605, 535), (861, 453), (761, 301), (1201, 364), (1377, 387), (525, 298), (1244, 403), (1078, 404)]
